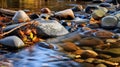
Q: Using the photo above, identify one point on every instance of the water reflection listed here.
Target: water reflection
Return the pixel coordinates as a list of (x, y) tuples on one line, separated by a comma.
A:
[(40, 57), (35, 5)]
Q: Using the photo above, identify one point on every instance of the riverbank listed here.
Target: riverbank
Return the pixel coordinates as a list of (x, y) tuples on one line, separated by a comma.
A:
[(79, 36)]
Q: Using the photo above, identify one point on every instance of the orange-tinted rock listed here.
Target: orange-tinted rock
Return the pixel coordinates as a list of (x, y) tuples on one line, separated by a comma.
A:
[(69, 46), (91, 41), (45, 10)]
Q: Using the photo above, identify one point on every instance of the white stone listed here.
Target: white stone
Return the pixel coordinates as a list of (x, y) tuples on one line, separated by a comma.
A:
[(20, 16)]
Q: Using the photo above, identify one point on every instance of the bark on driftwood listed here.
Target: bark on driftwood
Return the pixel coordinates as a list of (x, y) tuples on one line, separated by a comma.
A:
[(7, 11)]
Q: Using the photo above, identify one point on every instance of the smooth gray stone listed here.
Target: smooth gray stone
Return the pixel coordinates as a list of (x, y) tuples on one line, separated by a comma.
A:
[(12, 41), (50, 28)]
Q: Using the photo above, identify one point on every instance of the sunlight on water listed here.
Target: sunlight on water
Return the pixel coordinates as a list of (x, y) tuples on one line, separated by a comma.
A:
[(36, 5)]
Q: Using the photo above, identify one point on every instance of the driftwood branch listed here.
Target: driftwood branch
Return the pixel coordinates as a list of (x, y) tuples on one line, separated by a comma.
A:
[(7, 11), (5, 33)]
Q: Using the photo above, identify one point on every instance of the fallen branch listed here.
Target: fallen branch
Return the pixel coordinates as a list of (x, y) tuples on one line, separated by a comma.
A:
[(5, 33), (7, 11)]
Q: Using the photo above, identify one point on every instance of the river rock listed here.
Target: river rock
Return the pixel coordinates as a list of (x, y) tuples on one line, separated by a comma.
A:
[(89, 54), (105, 5), (6, 64), (89, 9), (109, 22), (103, 34), (34, 16), (93, 26), (78, 52), (99, 13), (77, 8), (118, 25), (65, 14), (104, 56), (50, 28), (45, 10), (78, 20), (101, 65), (12, 41), (69, 46), (116, 59), (74, 37), (113, 51), (20, 16), (45, 45), (98, 1), (91, 41)]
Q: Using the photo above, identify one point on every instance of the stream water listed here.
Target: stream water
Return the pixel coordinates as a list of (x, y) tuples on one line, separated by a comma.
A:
[(36, 56)]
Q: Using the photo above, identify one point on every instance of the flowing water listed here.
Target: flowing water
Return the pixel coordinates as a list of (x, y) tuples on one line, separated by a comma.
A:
[(36, 56)]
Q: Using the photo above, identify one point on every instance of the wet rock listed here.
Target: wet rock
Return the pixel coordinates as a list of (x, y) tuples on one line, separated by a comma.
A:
[(111, 40), (117, 30), (50, 28), (45, 45), (9, 27), (45, 10), (89, 60), (6, 64), (115, 44), (34, 16), (93, 26), (109, 22), (113, 51), (86, 29), (97, 1), (118, 25), (89, 9), (91, 41), (78, 20), (86, 48), (117, 59), (87, 65), (12, 41), (69, 46), (77, 8), (103, 34), (65, 14), (99, 13), (78, 52), (104, 56), (45, 16), (89, 54), (20, 16), (105, 5), (99, 61), (101, 65), (74, 37)]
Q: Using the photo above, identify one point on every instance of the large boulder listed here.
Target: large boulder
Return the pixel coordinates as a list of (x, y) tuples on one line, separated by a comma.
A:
[(12, 41), (65, 14), (50, 28), (20, 16)]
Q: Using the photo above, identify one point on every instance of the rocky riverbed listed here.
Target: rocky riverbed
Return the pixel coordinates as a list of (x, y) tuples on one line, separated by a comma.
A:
[(75, 37)]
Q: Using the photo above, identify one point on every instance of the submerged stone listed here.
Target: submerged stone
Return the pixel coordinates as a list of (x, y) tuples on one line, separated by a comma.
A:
[(113, 51), (12, 41), (91, 41)]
